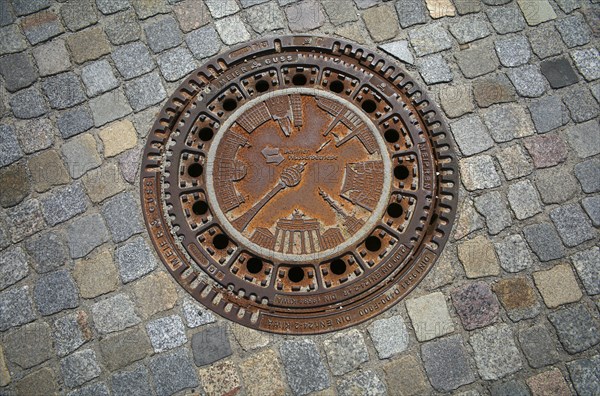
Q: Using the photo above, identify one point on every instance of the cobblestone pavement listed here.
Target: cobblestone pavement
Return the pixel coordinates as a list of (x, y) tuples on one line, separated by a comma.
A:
[(512, 307)]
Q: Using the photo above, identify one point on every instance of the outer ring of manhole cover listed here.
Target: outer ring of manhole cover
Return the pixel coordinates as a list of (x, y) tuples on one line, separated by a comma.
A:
[(299, 184)]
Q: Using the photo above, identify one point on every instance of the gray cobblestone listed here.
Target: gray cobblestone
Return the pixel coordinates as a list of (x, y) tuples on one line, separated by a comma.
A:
[(54, 292), (111, 6), (163, 33), (364, 382), (447, 364), (135, 260), (18, 71), (568, 6), (587, 264), (572, 224), (176, 63), (203, 42), (492, 205), (506, 19), (591, 205), (479, 173), (546, 150), (196, 315), (79, 14), (524, 200), (400, 50), (538, 346), (471, 135), (222, 8), (121, 215), (573, 30), (70, 332), (513, 253), (6, 14), (548, 113), (132, 60), (25, 219), (210, 345), (11, 39), (575, 327), (418, 13), (496, 354), (558, 72), (95, 389), (29, 345), (109, 107), (346, 352), (63, 90), (339, 12), (79, 368), (167, 381), (232, 30), (588, 63), (81, 155), (25, 7), (16, 308), (13, 266), (98, 78), (581, 104), (434, 69), (556, 184), (545, 41), (304, 366), (389, 336), (469, 28), (477, 61), (148, 8), (507, 122), (429, 39), (268, 17), (166, 333), (123, 28), (114, 314), (131, 383), (28, 103), (64, 204), (47, 250), (41, 27), (514, 162), (10, 151), (85, 234), (544, 241), (584, 139), (74, 121), (35, 135), (513, 51), (509, 388), (145, 91), (584, 374), (528, 81)]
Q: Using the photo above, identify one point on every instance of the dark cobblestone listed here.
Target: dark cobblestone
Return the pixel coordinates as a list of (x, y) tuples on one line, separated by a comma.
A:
[(25, 7), (28, 103), (544, 241), (584, 374), (591, 205), (15, 183), (54, 292), (509, 388), (64, 204), (210, 345), (47, 250), (41, 27), (29, 345), (131, 383), (121, 349), (581, 104), (25, 219), (163, 34), (548, 113), (558, 72), (304, 367), (16, 308), (18, 71), (63, 90), (79, 368), (576, 328), (538, 346), (572, 224), (75, 121), (167, 381), (123, 28), (447, 364)]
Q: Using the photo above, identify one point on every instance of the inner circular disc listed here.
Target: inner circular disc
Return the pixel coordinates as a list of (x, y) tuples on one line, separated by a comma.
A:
[(299, 184)]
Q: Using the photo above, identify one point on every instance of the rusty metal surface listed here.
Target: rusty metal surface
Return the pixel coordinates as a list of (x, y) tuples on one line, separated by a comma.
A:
[(299, 184)]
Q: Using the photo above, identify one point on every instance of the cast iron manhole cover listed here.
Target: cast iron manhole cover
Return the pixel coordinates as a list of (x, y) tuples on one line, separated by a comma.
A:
[(299, 184)]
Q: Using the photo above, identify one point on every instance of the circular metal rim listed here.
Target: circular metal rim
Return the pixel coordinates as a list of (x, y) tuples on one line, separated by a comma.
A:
[(234, 307)]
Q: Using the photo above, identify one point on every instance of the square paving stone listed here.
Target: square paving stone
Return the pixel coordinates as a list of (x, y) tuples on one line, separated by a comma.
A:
[(507, 122), (305, 16), (131, 383), (479, 173), (148, 8), (548, 113), (210, 345), (47, 169), (545, 41), (163, 33), (469, 220), (154, 293), (115, 313), (63, 90), (506, 19), (389, 336), (518, 298), (81, 155), (434, 69), (585, 374), (233, 30), (166, 333), (176, 63), (25, 7), (467, 6), (15, 185), (587, 173), (576, 328), (269, 377), (11, 39), (513, 253), (584, 138), (418, 13), (64, 204), (572, 224), (591, 205), (29, 345), (84, 234), (528, 81), (124, 348), (74, 121), (467, 29), (135, 259), (48, 251), (429, 323), (89, 44), (581, 104), (304, 366), (103, 182), (537, 11), (121, 215), (573, 30), (456, 100), (95, 389), (25, 219), (192, 14), (509, 388), (556, 184), (168, 381), (79, 14), (558, 72), (203, 42), (496, 354), (430, 39), (220, 379), (269, 17), (111, 6), (364, 382), (475, 305), (70, 332), (478, 257), (406, 370), (132, 60), (96, 274), (195, 314), (524, 200), (447, 364), (16, 308), (250, 339), (109, 107), (10, 151), (471, 135), (55, 292), (41, 27), (568, 6), (40, 382), (145, 91), (346, 351), (544, 241), (98, 78), (513, 51), (35, 135), (79, 368), (122, 28), (339, 12), (13, 266), (494, 208), (18, 71), (549, 382), (587, 62), (587, 264), (477, 61), (372, 17), (493, 89), (539, 346), (222, 8)]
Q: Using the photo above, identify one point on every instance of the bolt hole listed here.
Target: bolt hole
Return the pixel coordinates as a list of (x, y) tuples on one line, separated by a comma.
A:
[(369, 106), (391, 136), (299, 79), (296, 274), (205, 134), (195, 170), (262, 86), (401, 172), (229, 104), (254, 265), (336, 86), (394, 210), (338, 266), (221, 241), (200, 207), (373, 243)]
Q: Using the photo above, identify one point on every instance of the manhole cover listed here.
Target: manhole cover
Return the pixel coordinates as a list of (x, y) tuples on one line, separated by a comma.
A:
[(299, 184)]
